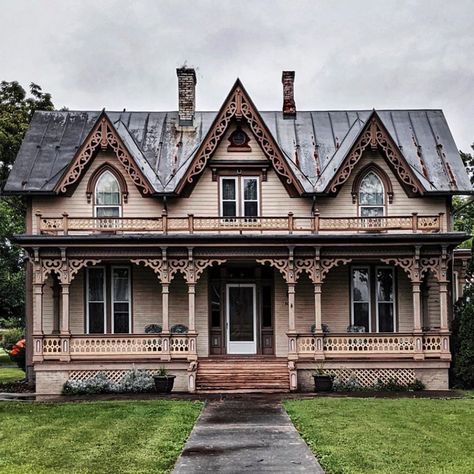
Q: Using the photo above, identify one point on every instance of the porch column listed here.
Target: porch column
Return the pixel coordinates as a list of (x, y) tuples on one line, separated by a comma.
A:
[(65, 332), (292, 352), (192, 306), (318, 327), (443, 306), (417, 332), (165, 288), (192, 349), (37, 322)]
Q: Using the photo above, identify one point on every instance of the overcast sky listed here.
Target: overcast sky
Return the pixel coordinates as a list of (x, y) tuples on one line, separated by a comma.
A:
[(347, 54)]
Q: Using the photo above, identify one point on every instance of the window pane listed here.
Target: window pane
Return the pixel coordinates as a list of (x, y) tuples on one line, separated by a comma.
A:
[(107, 190), (215, 305), (228, 189), (96, 318), (120, 282), (371, 211), (360, 284), (251, 209), (250, 189), (371, 190), (384, 284), (121, 322), (386, 317), (96, 284), (361, 315), (107, 212), (229, 209)]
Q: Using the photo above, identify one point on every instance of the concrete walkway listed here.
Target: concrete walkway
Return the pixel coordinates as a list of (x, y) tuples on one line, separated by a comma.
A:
[(245, 435)]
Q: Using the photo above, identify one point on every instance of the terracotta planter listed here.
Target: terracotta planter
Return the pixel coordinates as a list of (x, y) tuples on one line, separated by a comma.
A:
[(164, 383), (322, 383)]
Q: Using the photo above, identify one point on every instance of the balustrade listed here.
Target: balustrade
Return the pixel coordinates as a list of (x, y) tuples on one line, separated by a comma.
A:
[(289, 224)]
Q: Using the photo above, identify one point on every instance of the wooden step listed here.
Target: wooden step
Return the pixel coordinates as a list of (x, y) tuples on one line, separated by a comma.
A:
[(230, 374)]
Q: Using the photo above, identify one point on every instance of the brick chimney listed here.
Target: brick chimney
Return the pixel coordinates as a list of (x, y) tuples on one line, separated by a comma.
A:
[(186, 95), (289, 106)]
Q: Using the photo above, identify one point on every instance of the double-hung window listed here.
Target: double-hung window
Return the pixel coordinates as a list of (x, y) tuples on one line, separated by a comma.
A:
[(373, 298), (371, 196), (107, 198), (240, 196), (108, 300)]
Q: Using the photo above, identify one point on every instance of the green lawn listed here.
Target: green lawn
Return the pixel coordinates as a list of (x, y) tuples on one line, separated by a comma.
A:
[(354, 435), (4, 359), (98, 437), (8, 375)]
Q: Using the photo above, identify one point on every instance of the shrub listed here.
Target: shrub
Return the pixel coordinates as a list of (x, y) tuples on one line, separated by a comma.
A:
[(462, 339), (390, 385), (136, 381), (18, 354), (10, 337)]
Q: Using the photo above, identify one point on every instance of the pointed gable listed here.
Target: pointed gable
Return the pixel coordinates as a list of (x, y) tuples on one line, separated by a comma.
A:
[(105, 135), (239, 107), (371, 135)]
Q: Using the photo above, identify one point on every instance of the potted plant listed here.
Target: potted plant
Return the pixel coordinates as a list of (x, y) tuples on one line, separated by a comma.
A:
[(322, 381), (163, 381)]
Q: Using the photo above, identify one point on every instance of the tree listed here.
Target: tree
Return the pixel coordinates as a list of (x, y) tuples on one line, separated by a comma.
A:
[(16, 110), (463, 207), (462, 336)]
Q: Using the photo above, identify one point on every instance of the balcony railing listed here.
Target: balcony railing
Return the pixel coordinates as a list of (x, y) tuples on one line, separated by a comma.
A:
[(373, 344), (190, 224)]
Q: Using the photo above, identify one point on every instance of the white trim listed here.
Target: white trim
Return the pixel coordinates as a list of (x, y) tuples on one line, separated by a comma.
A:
[(372, 206), (104, 302), (386, 302), (107, 205), (361, 267), (242, 195), (112, 298), (221, 196), (244, 347)]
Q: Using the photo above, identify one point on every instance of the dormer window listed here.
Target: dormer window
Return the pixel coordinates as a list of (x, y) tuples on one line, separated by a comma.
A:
[(107, 196), (371, 196)]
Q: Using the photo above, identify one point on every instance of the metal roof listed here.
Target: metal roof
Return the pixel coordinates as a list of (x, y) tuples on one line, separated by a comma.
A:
[(320, 140)]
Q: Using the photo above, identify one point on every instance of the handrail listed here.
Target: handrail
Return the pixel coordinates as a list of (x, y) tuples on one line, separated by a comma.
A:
[(65, 224)]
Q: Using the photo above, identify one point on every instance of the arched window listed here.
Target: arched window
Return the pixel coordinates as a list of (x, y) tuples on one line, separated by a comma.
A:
[(107, 196), (371, 196)]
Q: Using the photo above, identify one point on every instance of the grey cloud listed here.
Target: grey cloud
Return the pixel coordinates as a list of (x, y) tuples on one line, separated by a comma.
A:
[(121, 53)]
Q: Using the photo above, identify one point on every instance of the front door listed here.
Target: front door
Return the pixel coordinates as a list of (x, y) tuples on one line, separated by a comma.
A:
[(241, 324)]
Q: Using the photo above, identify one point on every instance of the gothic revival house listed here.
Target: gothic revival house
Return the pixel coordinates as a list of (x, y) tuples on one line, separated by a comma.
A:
[(240, 249)]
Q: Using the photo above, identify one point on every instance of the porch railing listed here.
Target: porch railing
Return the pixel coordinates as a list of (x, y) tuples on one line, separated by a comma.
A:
[(131, 346), (190, 224), (183, 345), (368, 344)]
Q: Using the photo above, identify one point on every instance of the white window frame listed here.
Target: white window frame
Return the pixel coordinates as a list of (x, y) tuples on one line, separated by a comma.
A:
[(222, 200), (383, 205), (239, 196), (107, 205), (394, 302), (242, 196), (104, 283), (112, 297), (369, 276)]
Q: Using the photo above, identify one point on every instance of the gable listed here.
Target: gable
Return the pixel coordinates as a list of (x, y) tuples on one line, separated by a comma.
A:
[(239, 107), (106, 136), (373, 136)]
